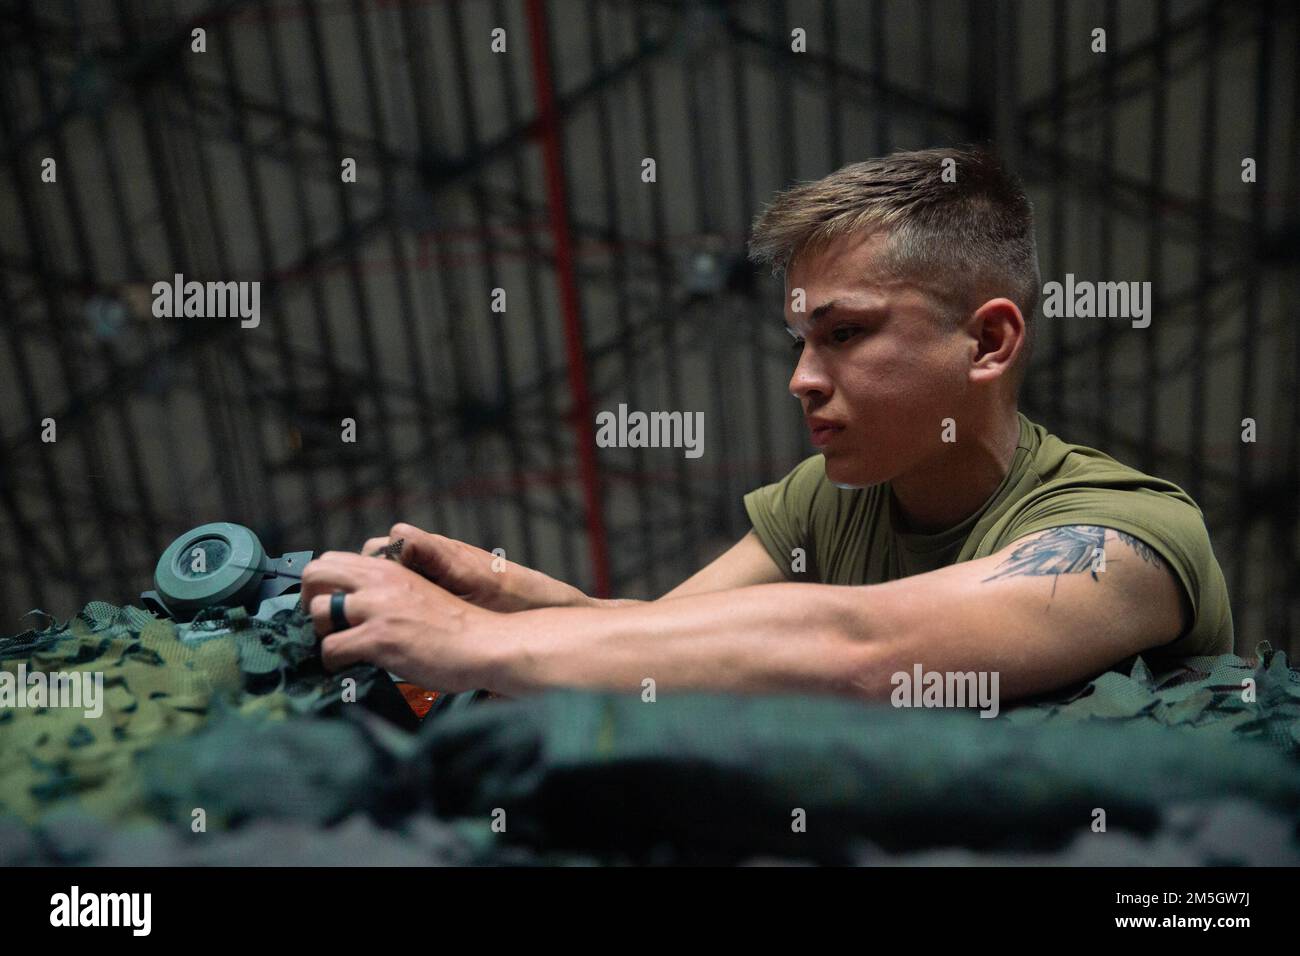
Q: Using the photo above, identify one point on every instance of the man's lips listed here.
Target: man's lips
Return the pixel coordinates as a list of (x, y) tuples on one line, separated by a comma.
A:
[(823, 430)]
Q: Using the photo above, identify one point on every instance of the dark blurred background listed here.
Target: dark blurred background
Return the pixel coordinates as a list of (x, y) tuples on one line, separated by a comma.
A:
[(521, 170)]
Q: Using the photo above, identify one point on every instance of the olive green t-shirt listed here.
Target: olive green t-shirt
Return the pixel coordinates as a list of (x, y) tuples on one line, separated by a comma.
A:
[(851, 536)]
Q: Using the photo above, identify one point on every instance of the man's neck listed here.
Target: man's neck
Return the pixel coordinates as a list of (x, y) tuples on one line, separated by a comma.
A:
[(953, 485)]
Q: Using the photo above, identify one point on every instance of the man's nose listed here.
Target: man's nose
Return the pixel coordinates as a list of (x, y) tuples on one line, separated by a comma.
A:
[(809, 379)]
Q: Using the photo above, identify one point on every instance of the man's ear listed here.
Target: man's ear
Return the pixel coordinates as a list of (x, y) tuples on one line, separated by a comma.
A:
[(997, 330)]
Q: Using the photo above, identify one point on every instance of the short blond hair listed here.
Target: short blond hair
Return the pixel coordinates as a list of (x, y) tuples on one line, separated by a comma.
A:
[(964, 241)]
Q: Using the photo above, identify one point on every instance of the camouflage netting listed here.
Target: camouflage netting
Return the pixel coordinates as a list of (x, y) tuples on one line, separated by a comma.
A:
[(161, 682), (236, 716)]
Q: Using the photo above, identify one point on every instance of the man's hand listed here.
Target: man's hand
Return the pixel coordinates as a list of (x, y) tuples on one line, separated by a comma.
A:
[(398, 621), (474, 575)]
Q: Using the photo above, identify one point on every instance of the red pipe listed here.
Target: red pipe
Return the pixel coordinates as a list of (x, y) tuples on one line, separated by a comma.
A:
[(582, 419)]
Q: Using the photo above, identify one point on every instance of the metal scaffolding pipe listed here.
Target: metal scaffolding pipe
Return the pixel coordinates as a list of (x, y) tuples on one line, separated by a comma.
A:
[(582, 418)]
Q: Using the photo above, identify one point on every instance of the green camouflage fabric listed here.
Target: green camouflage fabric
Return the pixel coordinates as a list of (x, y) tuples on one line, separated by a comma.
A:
[(708, 777), (162, 681), (237, 717)]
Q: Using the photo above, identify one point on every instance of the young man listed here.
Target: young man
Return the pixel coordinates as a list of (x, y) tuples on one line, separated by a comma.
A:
[(936, 526)]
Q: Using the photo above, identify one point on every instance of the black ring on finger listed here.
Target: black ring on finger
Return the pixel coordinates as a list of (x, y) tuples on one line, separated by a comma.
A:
[(338, 620)]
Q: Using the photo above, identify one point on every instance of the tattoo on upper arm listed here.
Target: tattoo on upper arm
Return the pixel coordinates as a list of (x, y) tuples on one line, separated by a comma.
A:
[(1055, 551), (1067, 550), (1144, 550)]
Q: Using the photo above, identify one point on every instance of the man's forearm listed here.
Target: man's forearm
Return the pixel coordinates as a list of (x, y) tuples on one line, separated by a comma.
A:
[(607, 603), (771, 637), (533, 590)]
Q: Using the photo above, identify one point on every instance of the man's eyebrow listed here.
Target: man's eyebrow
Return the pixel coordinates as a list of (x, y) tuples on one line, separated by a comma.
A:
[(827, 308), (823, 309), (818, 313)]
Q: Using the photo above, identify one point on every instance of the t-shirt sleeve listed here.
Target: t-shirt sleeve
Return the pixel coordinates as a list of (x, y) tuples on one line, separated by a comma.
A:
[(1173, 527), (781, 514)]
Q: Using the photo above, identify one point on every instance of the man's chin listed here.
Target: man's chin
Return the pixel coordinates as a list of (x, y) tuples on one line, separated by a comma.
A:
[(846, 479)]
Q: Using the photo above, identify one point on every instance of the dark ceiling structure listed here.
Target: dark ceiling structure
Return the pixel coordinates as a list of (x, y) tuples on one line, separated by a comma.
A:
[(513, 161)]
